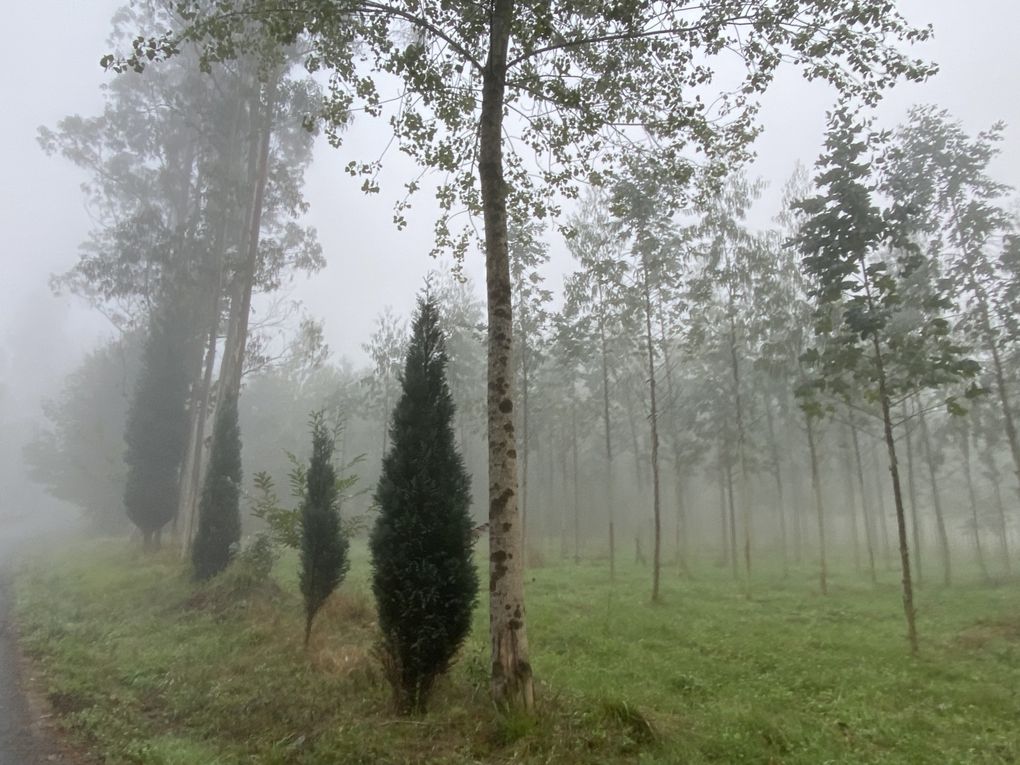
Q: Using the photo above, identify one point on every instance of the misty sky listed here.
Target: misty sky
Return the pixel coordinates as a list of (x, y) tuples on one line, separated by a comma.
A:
[(50, 69)]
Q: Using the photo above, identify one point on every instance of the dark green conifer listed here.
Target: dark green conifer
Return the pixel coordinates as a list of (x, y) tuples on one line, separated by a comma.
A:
[(219, 515), (423, 577), (324, 559), (156, 430)]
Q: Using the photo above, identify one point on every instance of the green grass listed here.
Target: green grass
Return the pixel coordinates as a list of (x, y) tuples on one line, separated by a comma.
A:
[(145, 667)]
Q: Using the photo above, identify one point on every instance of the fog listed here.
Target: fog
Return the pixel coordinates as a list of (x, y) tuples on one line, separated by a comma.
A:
[(370, 265), (693, 327)]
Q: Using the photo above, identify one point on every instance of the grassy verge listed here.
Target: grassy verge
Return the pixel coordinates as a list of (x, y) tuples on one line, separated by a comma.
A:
[(145, 667)]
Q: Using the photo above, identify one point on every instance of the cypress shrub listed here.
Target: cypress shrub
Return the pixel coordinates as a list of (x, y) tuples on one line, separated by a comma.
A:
[(219, 514), (156, 430), (324, 546), (423, 577)]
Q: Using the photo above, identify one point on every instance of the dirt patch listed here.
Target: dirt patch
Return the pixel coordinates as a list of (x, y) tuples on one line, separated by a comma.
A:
[(990, 631)]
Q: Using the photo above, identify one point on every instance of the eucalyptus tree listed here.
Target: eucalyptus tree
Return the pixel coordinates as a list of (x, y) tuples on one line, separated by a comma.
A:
[(575, 85), (874, 332), (195, 189)]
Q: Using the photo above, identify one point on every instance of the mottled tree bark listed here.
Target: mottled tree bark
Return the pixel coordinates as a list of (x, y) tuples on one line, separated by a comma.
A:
[(511, 678)]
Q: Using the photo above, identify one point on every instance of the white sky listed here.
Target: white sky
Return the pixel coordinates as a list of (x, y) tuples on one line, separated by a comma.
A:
[(49, 65)]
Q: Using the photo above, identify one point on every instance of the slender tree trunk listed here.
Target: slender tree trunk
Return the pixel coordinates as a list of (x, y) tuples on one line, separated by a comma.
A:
[(609, 441), (894, 473), (936, 498), (386, 413), (851, 505), (524, 445), (745, 504), (681, 538), (577, 484), (995, 478), (869, 539), (635, 439), (734, 558), (901, 523), (724, 557), (797, 516), (512, 683), (654, 433), (195, 455), (915, 521), (882, 516), (972, 499), (816, 485), (777, 473)]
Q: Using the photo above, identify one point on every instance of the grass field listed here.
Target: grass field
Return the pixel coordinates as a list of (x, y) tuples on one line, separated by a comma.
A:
[(145, 667)]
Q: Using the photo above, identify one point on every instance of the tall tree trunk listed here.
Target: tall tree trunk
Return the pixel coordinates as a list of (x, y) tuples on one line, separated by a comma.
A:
[(573, 428), (936, 498), (654, 433), (191, 470), (512, 682), (851, 505), (733, 556), (524, 445), (777, 473), (816, 485), (724, 549), (608, 435), (681, 537), (869, 536), (995, 478), (882, 515), (635, 439), (195, 455), (894, 473), (244, 280), (972, 499), (745, 504), (577, 484), (915, 521)]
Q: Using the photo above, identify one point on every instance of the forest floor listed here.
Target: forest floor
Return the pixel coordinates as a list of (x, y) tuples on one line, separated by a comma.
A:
[(143, 666)]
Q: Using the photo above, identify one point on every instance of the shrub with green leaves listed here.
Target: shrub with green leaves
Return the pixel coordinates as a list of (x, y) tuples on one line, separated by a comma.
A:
[(324, 546)]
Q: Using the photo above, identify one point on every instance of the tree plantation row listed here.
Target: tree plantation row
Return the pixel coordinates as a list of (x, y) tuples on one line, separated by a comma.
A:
[(837, 385)]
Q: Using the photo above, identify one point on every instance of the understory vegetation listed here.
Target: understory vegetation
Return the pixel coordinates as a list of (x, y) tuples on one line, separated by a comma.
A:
[(144, 665)]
